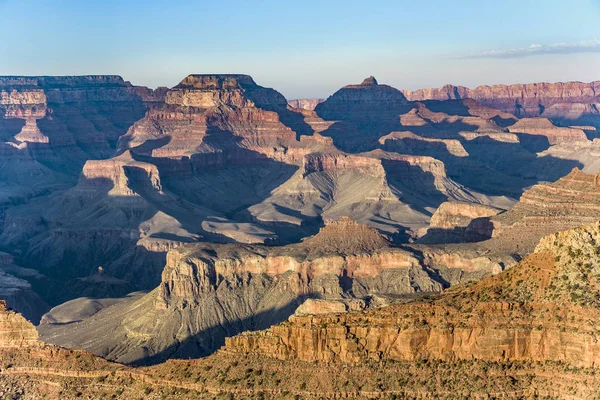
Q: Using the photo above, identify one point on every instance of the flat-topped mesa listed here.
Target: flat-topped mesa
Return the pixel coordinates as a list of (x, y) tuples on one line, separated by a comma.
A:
[(335, 162), (216, 82), (57, 90), (209, 291), (457, 222), (452, 214), (341, 248), (207, 91), (118, 175), (545, 127), (409, 143), (15, 331)]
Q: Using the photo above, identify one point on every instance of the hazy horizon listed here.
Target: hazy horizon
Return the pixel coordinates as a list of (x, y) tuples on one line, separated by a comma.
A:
[(306, 50)]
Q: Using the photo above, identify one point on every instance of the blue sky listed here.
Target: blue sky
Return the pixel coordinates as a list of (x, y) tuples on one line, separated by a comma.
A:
[(306, 48)]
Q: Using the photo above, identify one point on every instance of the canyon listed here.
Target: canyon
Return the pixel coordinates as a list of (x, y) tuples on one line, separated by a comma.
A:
[(211, 291), (217, 220), (532, 328)]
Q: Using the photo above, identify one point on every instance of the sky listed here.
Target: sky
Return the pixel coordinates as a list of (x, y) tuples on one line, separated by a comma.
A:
[(306, 48)]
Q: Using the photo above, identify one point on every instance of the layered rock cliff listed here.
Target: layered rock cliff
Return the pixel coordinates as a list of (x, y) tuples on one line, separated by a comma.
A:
[(455, 222), (545, 208), (210, 291), (543, 309), (15, 331), (566, 102), (545, 128)]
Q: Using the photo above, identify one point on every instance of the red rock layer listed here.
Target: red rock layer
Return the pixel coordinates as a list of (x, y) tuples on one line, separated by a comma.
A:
[(528, 100)]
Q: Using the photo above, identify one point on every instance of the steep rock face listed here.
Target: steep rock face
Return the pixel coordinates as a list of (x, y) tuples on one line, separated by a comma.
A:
[(458, 215), (15, 331), (470, 138), (118, 173), (210, 291), (50, 126), (18, 295), (113, 218), (565, 102), (89, 112), (217, 157), (543, 309), (460, 222)]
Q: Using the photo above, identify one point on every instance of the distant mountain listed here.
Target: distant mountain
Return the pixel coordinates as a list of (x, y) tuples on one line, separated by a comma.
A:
[(570, 103)]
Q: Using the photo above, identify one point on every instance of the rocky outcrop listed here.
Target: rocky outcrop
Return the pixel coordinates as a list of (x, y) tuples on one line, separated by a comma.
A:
[(50, 126), (331, 163), (19, 295), (119, 175), (540, 310), (216, 157), (452, 215), (15, 331), (456, 222)]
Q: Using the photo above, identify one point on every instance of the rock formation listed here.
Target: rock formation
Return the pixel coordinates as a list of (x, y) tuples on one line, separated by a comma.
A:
[(549, 207), (565, 101), (460, 222), (544, 309), (210, 291), (545, 127), (15, 331)]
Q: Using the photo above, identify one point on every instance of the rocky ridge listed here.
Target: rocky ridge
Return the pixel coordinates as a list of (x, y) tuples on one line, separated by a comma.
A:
[(210, 291), (567, 102)]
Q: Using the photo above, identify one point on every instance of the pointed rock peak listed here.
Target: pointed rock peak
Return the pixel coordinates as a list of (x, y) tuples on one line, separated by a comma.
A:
[(370, 81), (346, 236), (216, 82)]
